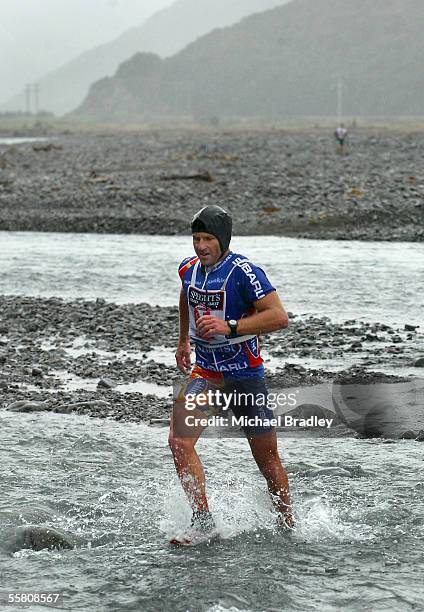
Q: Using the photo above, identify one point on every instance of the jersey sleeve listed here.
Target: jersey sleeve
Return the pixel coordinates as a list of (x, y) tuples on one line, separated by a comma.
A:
[(185, 265), (253, 282)]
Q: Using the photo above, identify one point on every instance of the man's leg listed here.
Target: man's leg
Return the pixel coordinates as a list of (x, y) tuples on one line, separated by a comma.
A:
[(265, 451), (182, 440)]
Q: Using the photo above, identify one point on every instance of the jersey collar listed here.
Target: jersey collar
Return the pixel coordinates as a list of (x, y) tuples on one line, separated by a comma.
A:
[(218, 264)]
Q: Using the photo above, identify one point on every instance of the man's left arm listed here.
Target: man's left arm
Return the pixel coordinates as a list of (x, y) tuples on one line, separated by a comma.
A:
[(270, 315)]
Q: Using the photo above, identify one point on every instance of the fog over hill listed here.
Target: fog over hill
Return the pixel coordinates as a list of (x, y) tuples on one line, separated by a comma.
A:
[(284, 62), (164, 33)]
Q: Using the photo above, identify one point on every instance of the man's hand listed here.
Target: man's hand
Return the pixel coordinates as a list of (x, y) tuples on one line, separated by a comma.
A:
[(183, 357), (208, 326)]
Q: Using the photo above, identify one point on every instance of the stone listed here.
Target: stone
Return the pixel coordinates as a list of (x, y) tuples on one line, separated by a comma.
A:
[(27, 406), (411, 328), (37, 538), (408, 435), (106, 383)]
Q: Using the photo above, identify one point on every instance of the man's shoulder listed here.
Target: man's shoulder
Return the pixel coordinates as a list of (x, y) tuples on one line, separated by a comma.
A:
[(244, 264), (251, 277), (186, 264)]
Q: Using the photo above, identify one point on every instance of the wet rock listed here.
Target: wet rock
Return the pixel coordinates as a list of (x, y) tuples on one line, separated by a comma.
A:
[(419, 363), (36, 372), (390, 562), (27, 406), (331, 471), (408, 435), (163, 421), (411, 328), (106, 383), (420, 436), (36, 538)]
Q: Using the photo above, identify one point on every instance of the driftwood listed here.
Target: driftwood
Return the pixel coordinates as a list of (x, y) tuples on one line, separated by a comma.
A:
[(202, 176), (47, 147)]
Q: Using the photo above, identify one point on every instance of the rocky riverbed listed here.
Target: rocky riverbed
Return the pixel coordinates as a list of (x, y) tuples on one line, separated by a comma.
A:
[(273, 182), (107, 360)]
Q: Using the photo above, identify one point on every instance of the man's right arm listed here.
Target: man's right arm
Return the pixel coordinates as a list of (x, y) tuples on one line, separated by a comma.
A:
[(183, 351)]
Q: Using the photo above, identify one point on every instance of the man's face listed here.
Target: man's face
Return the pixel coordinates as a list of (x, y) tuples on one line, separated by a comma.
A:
[(207, 248)]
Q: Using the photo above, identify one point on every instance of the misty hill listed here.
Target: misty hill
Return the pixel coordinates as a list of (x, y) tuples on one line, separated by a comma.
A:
[(280, 63), (164, 33)]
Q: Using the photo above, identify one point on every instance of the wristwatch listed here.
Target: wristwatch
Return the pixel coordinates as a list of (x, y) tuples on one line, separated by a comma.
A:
[(232, 324)]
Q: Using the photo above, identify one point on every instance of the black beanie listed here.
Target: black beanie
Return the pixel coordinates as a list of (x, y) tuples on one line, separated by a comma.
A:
[(216, 221)]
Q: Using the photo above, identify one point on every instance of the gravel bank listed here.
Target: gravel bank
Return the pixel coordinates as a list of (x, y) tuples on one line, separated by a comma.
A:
[(95, 357), (273, 182)]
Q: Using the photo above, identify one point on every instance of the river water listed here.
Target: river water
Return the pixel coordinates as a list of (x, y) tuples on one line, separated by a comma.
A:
[(359, 543), (15, 140), (379, 281), (358, 503)]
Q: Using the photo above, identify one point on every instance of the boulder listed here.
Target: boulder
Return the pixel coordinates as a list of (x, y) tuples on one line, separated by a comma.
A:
[(37, 538)]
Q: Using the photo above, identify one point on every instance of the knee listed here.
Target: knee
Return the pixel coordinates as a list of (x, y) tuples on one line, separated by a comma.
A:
[(180, 446), (267, 460)]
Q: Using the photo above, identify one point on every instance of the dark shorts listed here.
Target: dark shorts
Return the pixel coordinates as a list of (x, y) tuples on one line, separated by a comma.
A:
[(248, 400)]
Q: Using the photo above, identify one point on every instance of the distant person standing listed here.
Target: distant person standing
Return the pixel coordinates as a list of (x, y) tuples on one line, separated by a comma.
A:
[(340, 135)]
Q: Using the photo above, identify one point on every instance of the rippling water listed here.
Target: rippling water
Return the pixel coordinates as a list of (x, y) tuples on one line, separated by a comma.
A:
[(20, 140), (342, 280), (113, 487)]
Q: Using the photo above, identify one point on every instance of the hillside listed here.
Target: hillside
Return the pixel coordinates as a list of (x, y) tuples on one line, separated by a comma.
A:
[(164, 33), (280, 63)]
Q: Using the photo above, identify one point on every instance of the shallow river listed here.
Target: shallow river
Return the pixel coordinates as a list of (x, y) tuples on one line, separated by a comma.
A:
[(359, 543)]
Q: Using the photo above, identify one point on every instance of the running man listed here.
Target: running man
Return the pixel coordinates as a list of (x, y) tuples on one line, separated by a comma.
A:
[(225, 303)]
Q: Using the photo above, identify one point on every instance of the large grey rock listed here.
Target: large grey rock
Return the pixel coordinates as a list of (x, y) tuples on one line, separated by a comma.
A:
[(381, 409), (27, 406), (106, 383), (37, 538)]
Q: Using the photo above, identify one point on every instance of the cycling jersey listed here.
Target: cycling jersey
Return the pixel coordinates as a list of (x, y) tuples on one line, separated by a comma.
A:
[(226, 290)]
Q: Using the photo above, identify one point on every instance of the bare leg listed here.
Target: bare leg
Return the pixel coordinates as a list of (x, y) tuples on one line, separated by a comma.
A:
[(265, 452), (187, 463)]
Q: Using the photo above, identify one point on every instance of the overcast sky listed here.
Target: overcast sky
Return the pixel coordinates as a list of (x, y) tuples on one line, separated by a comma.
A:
[(37, 36)]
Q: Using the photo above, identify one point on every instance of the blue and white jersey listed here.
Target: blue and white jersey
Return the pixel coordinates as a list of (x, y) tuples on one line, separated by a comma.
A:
[(227, 291)]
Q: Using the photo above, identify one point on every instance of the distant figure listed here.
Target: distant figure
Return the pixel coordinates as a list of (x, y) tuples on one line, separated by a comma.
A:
[(340, 135)]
